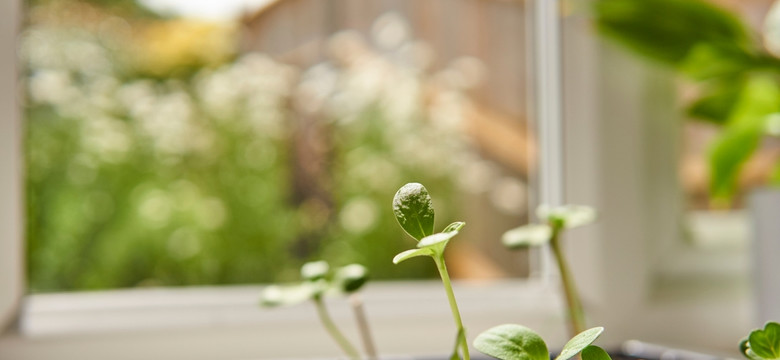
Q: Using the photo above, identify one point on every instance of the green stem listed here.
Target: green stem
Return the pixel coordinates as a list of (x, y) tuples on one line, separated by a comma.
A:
[(334, 332), (576, 314), (445, 279)]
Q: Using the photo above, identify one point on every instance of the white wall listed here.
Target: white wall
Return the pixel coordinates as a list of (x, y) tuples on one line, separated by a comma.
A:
[(11, 284)]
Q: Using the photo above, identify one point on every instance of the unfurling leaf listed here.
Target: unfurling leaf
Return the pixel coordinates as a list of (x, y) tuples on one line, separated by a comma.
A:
[(408, 254), (527, 236), (275, 295), (456, 226), (351, 278), (315, 270), (593, 352), (436, 239), (413, 209), (579, 342), (568, 216), (512, 342), (766, 343)]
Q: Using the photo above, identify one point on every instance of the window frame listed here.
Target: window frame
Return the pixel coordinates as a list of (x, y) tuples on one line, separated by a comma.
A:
[(11, 245), (610, 164)]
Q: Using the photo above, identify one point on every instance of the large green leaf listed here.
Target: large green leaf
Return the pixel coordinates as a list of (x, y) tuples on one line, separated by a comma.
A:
[(413, 209), (766, 343), (717, 60), (593, 352), (579, 342), (742, 133), (717, 100), (512, 342), (667, 30)]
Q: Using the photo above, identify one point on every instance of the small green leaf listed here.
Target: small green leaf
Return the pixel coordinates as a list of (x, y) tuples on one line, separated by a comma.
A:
[(413, 209), (408, 254), (570, 216), (742, 134), (593, 352), (436, 239), (527, 236), (512, 342), (717, 100), (315, 270), (766, 343), (456, 226), (351, 278), (579, 342), (744, 348), (275, 295), (717, 60)]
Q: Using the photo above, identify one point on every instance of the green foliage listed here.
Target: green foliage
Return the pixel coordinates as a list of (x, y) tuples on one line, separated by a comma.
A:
[(134, 181), (745, 127), (579, 342), (561, 217), (555, 221), (517, 342), (762, 343), (318, 281), (668, 30), (315, 270), (527, 236), (717, 100), (413, 209), (351, 278), (593, 352), (714, 48), (512, 342)]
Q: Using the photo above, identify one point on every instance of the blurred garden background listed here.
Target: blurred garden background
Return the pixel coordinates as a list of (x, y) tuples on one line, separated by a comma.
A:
[(164, 151), (195, 144)]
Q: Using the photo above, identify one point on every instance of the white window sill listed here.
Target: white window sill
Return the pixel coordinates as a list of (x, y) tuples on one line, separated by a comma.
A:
[(226, 323)]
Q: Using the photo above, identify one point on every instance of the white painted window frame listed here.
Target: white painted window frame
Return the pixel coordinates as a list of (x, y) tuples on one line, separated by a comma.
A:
[(613, 161)]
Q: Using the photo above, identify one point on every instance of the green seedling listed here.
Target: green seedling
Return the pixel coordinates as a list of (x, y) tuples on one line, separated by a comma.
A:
[(319, 281), (762, 344), (517, 342), (555, 221), (413, 209)]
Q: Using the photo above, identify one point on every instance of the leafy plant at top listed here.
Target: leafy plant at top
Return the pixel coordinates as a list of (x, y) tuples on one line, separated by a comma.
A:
[(736, 76), (517, 342), (320, 281), (762, 344), (413, 209), (555, 221)]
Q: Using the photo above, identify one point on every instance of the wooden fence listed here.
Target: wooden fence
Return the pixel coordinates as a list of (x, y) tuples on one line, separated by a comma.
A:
[(493, 31)]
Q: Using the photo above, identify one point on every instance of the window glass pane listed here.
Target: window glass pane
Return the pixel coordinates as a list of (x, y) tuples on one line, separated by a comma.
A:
[(171, 151)]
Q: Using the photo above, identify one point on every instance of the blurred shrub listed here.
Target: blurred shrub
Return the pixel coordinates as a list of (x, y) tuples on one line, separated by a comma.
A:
[(234, 174)]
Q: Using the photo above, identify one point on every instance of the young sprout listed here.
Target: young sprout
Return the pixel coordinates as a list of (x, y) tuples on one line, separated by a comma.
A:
[(762, 344), (413, 209), (556, 220), (351, 278), (517, 342), (318, 282)]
